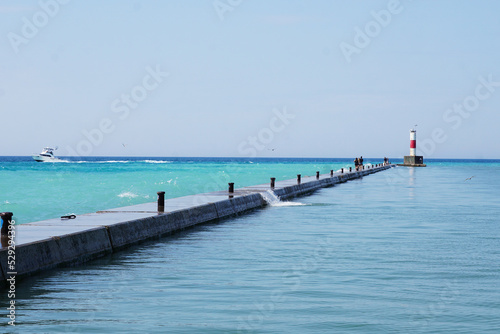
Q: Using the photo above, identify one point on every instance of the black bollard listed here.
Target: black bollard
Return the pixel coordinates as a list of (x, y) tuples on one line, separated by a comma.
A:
[(6, 219), (231, 187), (161, 201), (350, 169), (342, 171), (273, 182), (331, 173), (317, 175), (298, 178)]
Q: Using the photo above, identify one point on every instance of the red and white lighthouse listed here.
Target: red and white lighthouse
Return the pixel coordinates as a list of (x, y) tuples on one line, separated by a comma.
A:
[(413, 142), (413, 160)]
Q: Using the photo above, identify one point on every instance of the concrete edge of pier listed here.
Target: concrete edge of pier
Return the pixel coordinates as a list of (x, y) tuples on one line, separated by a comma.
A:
[(55, 243)]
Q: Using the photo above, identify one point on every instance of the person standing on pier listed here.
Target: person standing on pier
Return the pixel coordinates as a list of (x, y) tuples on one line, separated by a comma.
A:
[(361, 162), (356, 164)]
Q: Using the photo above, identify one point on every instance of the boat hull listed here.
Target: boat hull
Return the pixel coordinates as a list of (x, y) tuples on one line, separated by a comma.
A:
[(41, 158)]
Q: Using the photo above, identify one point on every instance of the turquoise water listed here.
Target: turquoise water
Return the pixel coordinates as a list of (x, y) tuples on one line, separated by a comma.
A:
[(36, 191), (401, 251)]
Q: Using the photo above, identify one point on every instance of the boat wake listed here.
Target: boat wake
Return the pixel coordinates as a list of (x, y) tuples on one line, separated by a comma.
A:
[(119, 161), (56, 160)]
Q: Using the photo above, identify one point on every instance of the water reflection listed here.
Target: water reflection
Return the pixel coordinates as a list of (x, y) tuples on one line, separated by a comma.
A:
[(411, 182)]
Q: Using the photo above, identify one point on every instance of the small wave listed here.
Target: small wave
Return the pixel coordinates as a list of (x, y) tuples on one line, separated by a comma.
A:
[(54, 161), (100, 162), (170, 181), (112, 162), (119, 161), (128, 194), (157, 161)]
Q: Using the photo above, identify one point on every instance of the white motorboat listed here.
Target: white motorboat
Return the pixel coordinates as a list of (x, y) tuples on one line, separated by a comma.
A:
[(47, 155)]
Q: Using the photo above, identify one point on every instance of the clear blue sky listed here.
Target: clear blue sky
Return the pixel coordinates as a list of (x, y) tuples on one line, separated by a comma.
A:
[(352, 76)]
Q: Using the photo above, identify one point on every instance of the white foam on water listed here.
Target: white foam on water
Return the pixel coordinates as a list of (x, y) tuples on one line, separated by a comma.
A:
[(128, 194), (118, 161), (157, 161), (289, 204), (273, 200), (55, 161), (170, 181), (101, 162)]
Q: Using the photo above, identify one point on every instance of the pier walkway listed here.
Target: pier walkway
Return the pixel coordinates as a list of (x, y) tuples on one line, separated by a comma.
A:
[(54, 243)]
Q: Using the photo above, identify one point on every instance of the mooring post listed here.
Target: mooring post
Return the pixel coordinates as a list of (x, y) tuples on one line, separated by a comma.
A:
[(6, 220), (298, 178), (350, 169), (231, 187), (342, 171), (161, 201), (331, 173), (317, 175), (273, 181)]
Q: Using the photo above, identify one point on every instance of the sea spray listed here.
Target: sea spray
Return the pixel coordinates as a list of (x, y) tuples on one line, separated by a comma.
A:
[(274, 200)]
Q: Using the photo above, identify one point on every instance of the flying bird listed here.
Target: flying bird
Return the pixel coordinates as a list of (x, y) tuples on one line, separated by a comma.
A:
[(470, 178)]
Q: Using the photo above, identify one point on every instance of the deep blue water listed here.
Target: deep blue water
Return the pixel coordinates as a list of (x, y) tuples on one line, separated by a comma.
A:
[(408, 250)]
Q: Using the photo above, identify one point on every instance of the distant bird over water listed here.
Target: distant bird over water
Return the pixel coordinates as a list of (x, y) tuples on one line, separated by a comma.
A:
[(470, 178)]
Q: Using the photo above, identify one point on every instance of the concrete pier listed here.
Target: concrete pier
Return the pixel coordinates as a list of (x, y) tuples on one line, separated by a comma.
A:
[(54, 243)]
